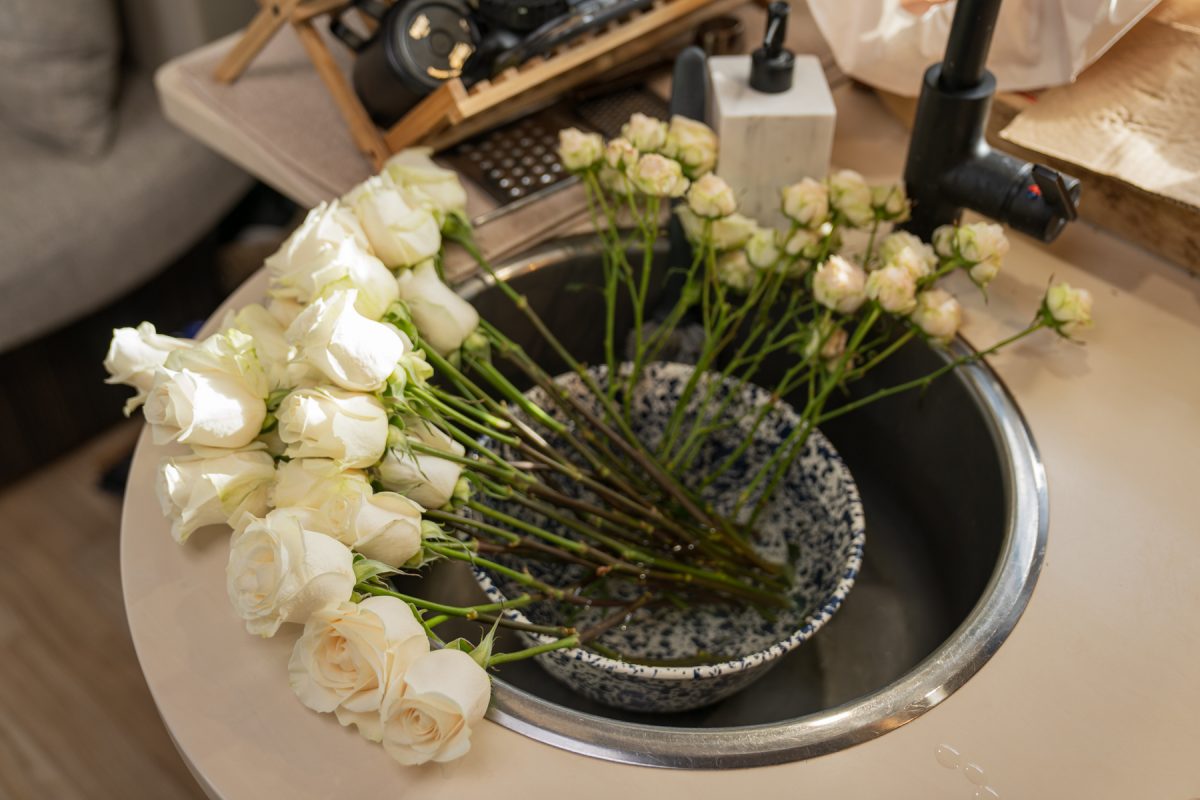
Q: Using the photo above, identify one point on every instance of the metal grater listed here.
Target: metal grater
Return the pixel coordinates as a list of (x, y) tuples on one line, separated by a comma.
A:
[(518, 160)]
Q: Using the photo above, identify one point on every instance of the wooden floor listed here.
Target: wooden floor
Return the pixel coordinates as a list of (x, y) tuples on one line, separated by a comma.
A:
[(76, 718)]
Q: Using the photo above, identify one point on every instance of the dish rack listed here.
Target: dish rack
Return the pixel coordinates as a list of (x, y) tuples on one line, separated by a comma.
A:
[(453, 112)]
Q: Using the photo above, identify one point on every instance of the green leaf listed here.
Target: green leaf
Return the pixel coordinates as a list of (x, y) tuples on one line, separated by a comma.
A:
[(365, 569), (482, 652)]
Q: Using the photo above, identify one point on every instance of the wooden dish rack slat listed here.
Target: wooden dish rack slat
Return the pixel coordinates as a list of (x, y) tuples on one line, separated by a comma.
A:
[(452, 113)]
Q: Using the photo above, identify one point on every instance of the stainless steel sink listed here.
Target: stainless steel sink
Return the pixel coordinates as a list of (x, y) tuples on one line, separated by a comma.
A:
[(956, 505)]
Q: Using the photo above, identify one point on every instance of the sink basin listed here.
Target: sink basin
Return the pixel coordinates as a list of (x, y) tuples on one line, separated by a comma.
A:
[(956, 508)]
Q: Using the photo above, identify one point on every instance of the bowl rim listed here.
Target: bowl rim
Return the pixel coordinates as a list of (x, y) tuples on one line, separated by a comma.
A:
[(813, 622)]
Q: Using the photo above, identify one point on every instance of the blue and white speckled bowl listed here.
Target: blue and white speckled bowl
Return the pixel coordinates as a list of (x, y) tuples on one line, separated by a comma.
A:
[(815, 521)]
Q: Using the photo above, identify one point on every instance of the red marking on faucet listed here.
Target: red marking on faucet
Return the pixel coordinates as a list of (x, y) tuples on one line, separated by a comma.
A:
[(1034, 190)]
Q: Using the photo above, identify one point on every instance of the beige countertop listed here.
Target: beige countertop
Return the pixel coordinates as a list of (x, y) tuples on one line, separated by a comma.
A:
[(1095, 694)]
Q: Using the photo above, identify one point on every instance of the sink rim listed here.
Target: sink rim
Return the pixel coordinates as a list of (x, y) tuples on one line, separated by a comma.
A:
[(931, 681)]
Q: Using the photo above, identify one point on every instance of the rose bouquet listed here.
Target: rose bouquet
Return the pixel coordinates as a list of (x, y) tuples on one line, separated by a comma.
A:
[(359, 425)]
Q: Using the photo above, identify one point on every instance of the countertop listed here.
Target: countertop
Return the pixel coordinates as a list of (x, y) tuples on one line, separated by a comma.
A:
[(1094, 695)]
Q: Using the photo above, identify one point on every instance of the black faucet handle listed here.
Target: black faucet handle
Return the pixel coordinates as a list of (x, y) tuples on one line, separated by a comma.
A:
[(1061, 192)]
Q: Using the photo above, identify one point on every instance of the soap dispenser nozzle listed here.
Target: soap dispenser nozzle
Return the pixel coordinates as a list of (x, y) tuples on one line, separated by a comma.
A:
[(771, 65)]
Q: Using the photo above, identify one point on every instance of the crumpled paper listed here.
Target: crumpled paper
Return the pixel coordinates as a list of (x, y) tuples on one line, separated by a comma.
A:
[(889, 44)]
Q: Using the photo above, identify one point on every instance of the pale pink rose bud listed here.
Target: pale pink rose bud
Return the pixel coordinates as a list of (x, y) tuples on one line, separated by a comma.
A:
[(711, 197), (620, 154), (647, 134), (579, 151), (806, 203), (851, 197), (735, 270), (894, 289), (840, 285), (658, 176), (1069, 309), (693, 144), (920, 258), (938, 314)]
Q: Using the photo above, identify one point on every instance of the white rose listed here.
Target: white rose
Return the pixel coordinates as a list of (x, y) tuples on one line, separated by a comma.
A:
[(230, 352), (387, 528), (354, 352), (894, 289), (728, 233), (840, 285), (905, 250), (711, 197), (658, 176), (424, 478), (693, 144), (330, 250), (443, 319), (349, 427), (279, 571), (619, 154), (984, 272), (401, 234), (212, 409), (579, 151), (938, 314), (647, 134), (426, 183), (806, 203), (943, 241), (133, 357), (981, 241), (271, 349), (320, 486), (735, 270), (347, 655), (890, 201), (284, 310), (381, 525), (763, 248), (850, 195), (1070, 308), (429, 715), (197, 490)]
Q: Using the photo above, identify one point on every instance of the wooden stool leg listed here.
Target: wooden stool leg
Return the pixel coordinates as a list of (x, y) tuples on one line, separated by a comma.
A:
[(266, 23), (366, 135)]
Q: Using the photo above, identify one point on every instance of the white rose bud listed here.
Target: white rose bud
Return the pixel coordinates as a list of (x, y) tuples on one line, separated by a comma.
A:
[(614, 181), (806, 203), (906, 250), (850, 195), (840, 285), (804, 243), (735, 270), (209, 409), (134, 355), (348, 654), (711, 197), (693, 144), (984, 272), (763, 249), (426, 183), (981, 241), (890, 202), (387, 528), (733, 231), (938, 314), (658, 176), (349, 427), (421, 477), (429, 715), (443, 319), (579, 151), (943, 241), (354, 352), (894, 289), (647, 134), (1070, 309), (828, 340), (197, 490), (401, 233), (619, 154), (279, 571)]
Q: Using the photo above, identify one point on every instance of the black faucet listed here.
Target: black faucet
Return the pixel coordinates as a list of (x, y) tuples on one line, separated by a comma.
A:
[(950, 165)]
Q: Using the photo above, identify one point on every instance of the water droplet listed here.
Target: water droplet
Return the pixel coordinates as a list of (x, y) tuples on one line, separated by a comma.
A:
[(986, 793), (947, 756), (974, 774)]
